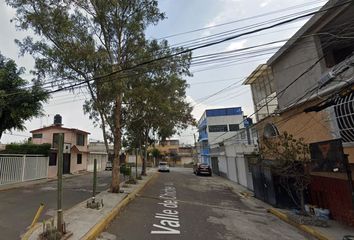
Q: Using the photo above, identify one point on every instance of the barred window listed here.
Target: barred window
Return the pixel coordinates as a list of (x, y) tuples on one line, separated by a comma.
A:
[(218, 128)]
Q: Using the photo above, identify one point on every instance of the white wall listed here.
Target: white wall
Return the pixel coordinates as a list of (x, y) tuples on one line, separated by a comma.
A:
[(248, 175), (241, 170), (101, 162), (222, 164), (215, 137), (232, 172)]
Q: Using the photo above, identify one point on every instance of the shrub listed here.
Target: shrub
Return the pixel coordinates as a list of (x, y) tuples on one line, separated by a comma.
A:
[(27, 148)]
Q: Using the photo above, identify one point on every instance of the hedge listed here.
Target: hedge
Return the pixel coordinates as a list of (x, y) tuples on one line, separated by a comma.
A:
[(27, 148)]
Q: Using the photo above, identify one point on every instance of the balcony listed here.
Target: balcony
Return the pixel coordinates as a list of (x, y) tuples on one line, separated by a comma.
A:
[(205, 151), (203, 135), (202, 124)]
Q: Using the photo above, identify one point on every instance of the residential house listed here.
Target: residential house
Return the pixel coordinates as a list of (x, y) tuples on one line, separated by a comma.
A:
[(312, 76), (214, 126), (97, 150), (75, 146), (174, 153), (235, 155), (169, 150), (186, 155)]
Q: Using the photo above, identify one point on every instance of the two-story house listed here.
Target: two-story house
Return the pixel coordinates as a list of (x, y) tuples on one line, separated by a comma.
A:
[(75, 146), (306, 89)]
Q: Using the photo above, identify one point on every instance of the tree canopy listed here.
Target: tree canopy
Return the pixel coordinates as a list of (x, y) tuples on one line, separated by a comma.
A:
[(99, 44), (19, 101)]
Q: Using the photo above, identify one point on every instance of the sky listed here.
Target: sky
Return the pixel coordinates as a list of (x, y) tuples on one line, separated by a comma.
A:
[(186, 20)]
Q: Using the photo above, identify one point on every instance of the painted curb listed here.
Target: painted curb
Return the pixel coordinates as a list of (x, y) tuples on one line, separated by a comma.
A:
[(302, 227), (102, 225)]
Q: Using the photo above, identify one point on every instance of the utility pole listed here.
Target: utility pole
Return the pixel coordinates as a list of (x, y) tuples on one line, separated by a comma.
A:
[(195, 151), (94, 179), (136, 163), (60, 183)]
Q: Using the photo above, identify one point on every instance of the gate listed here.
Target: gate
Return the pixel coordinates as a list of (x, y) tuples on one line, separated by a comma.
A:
[(263, 184), (215, 165), (19, 168)]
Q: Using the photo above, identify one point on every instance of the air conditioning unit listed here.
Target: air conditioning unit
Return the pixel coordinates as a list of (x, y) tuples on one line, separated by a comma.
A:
[(67, 148)]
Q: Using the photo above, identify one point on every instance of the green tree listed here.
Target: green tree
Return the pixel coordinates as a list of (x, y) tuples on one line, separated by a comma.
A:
[(291, 162), (155, 103), (19, 102), (89, 39)]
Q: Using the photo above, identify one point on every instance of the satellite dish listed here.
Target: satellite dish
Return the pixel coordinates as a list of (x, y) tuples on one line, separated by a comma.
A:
[(270, 131)]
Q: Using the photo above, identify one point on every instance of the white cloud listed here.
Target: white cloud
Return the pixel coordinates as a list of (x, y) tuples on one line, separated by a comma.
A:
[(265, 3), (236, 45), (230, 9)]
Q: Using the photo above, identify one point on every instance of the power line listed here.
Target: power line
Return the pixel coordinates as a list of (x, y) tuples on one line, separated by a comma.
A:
[(204, 46), (240, 20), (291, 83), (197, 47)]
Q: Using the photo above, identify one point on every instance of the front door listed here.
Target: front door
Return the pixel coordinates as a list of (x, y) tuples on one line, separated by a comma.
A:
[(66, 163), (215, 165)]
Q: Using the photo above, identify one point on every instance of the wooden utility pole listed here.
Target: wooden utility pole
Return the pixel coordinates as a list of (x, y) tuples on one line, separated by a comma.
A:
[(60, 183), (136, 163)]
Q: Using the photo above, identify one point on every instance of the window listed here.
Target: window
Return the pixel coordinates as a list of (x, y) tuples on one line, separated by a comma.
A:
[(218, 128), (79, 159), (80, 139), (55, 143), (234, 127), (53, 159), (37, 135)]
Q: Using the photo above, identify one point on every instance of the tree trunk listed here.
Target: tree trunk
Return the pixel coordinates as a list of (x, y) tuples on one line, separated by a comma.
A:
[(104, 133), (102, 116), (143, 170), (302, 202), (117, 145)]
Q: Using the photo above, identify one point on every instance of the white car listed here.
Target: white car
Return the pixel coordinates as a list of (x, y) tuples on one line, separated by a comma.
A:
[(163, 167)]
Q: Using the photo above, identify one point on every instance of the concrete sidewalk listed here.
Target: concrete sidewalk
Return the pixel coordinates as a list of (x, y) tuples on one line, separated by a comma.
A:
[(86, 223), (335, 231)]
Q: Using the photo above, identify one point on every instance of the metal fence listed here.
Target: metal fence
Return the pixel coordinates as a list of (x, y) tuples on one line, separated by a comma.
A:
[(20, 168)]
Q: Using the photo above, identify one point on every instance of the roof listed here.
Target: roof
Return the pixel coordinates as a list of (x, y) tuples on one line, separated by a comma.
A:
[(59, 127), (310, 24), (223, 112), (75, 148), (255, 74)]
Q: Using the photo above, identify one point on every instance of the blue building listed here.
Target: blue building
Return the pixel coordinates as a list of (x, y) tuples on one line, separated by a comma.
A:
[(214, 126)]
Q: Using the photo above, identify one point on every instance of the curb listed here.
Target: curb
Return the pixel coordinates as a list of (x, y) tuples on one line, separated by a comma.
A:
[(102, 225), (302, 227)]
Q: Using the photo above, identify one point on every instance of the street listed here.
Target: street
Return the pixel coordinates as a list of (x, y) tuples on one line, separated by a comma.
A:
[(18, 206), (180, 205)]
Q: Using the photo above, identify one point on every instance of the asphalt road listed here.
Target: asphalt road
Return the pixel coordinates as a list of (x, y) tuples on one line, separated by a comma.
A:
[(180, 205), (18, 206)]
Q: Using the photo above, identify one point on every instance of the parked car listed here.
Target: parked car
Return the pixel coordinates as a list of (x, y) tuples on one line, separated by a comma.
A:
[(163, 167), (202, 169), (108, 166)]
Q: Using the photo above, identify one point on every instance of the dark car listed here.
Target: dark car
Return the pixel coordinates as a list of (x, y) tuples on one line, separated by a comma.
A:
[(202, 169)]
